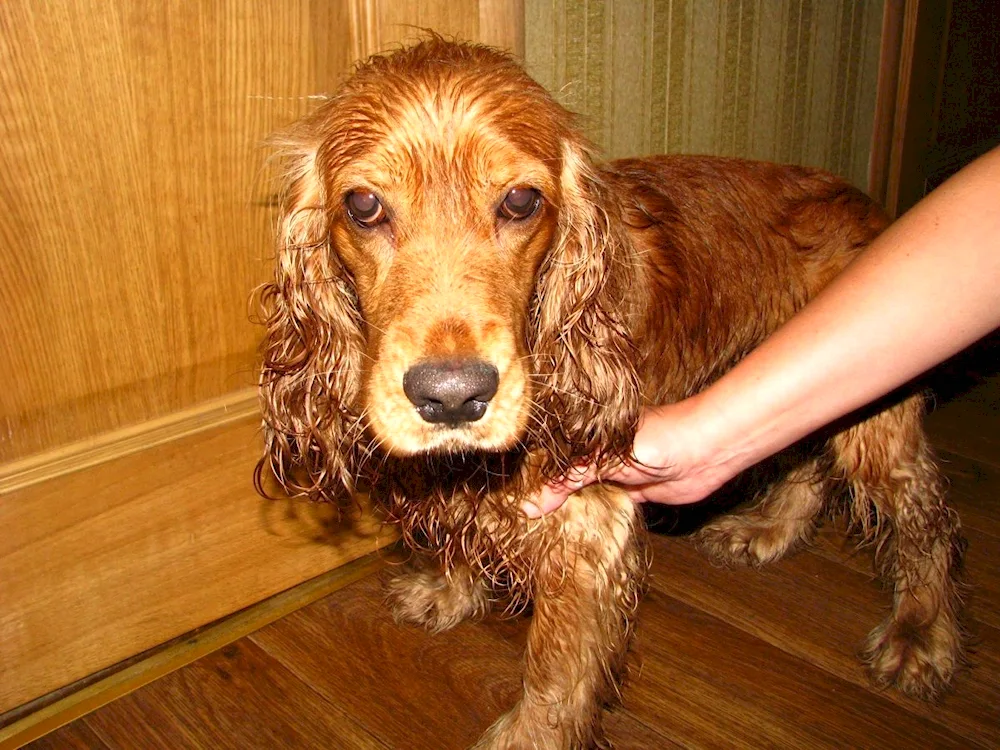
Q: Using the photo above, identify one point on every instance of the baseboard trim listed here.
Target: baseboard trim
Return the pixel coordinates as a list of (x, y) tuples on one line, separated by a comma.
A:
[(92, 695), (86, 453)]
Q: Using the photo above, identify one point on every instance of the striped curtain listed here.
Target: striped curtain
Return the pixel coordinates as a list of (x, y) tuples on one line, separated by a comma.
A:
[(783, 80)]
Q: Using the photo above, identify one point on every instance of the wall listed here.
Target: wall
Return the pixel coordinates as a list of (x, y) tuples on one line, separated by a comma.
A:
[(782, 80)]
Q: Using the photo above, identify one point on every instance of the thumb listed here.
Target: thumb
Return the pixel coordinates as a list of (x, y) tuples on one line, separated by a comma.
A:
[(553, 494), (551, 497)]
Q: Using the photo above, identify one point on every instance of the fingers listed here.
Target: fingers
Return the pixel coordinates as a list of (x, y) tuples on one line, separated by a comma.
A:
[(641, 483), (636, 481), (548, 499), (553, 495)]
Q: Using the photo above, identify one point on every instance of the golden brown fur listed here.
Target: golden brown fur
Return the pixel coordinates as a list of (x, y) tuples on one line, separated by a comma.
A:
[(635, 282)]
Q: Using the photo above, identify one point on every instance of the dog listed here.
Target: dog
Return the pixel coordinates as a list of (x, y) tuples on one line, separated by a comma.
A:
[(466, 305)]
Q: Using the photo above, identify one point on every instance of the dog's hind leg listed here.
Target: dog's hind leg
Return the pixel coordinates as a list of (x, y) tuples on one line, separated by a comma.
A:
[(785, 517), (588, 574), (898, 503), (436, 600)]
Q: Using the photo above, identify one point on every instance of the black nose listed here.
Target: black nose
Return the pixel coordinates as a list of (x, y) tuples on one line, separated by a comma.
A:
[(451, 390)]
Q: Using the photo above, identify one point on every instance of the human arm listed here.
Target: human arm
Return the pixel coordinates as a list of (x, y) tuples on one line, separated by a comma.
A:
[(925, 289)]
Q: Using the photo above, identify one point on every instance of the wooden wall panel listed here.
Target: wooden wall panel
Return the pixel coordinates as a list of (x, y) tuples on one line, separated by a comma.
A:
[(105, 563), (135, 221), (386, 24)]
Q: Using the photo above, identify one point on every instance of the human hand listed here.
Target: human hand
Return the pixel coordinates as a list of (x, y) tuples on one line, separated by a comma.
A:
[(673, 461)]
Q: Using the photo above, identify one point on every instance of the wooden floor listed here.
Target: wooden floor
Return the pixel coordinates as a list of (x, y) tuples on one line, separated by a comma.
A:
[(724, 658)]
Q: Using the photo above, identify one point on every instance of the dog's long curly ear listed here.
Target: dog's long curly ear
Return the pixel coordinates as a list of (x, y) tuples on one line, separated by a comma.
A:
[(313, 346), (585, 360)]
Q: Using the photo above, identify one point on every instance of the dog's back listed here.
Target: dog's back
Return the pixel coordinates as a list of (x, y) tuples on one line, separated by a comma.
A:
[(729, 249)]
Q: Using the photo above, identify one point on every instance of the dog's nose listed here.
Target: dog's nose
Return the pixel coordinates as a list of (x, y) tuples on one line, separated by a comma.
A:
[(451, 391)]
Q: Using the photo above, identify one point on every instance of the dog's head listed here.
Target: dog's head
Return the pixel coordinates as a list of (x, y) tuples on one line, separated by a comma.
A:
[(451, 276)]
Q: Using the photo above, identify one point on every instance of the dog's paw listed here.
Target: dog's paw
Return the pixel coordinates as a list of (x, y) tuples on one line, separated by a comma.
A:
[(920, 661), (541, 727), (435, 602), (503, 734), (736, 541)]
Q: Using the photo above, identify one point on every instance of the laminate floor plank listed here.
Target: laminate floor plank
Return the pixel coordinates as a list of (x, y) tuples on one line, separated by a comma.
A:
[(238, 698), (75, 736), (739, 691), (820, 611), (970, 424), (974, 491), (725, 659), (626, 732), (981, 569), (411, 688), (405, 686)]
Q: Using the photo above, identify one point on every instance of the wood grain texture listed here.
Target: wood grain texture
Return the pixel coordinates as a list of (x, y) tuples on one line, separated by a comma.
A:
[(76, 736), (755, 697), (136, 222), (348, 648), (351, 651), (137, 219), (824, 623), (43, 467), (40, 717), (239, 698), (501, 24), (494, 22), (108, 562), (365, 32)]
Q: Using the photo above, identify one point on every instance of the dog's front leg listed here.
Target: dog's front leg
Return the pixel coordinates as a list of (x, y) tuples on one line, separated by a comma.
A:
[(589, 566)]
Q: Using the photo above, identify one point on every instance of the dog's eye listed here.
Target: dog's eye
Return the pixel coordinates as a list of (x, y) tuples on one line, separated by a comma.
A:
[(365, 209), (519, 203)]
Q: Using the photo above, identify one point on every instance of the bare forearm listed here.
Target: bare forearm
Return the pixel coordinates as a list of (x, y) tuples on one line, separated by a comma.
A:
[(927, 288)]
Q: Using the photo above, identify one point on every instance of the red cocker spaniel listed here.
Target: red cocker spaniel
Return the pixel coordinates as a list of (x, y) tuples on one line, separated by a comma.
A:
[(465, 304)]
